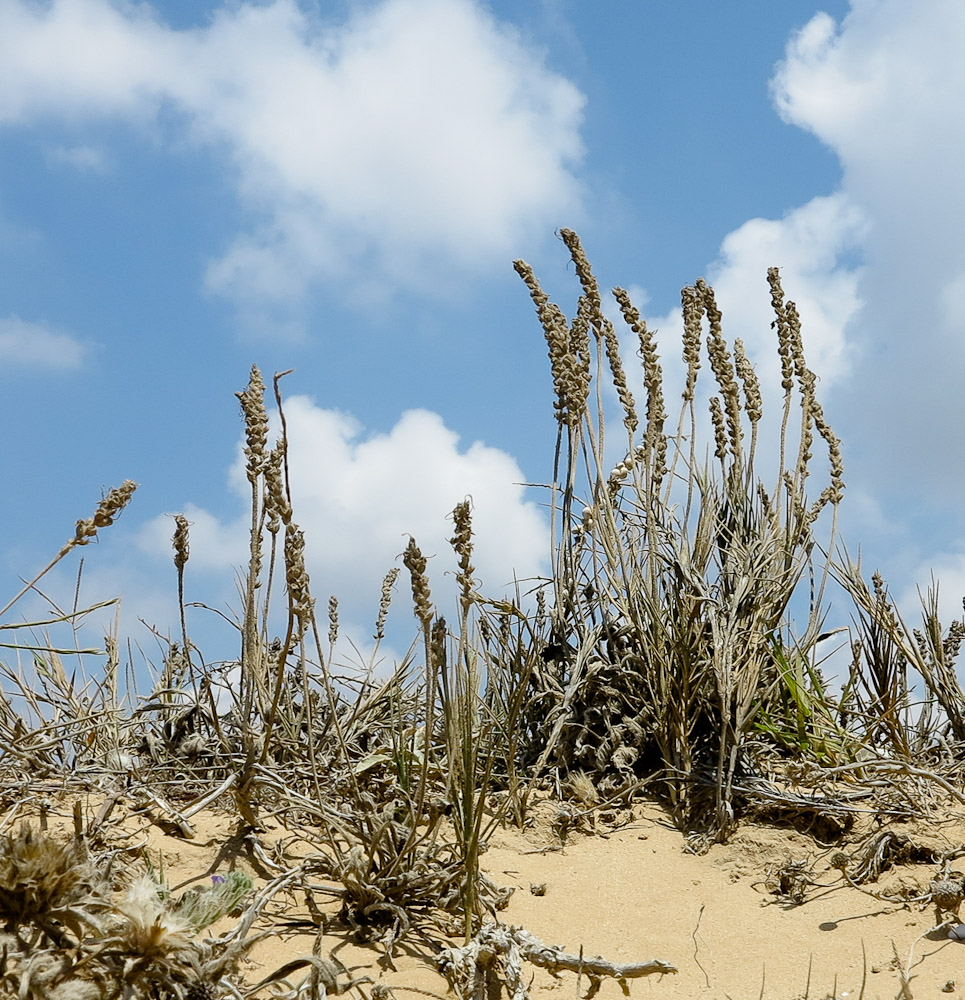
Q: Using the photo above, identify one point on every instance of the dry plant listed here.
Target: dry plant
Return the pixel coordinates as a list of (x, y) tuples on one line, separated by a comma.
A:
[(885, 649), (388, 778), (674, 572), (68, 935), (493, 961), (52, 716)]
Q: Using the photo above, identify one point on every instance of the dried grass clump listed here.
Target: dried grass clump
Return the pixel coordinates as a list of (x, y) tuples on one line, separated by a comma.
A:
[(674, 572)]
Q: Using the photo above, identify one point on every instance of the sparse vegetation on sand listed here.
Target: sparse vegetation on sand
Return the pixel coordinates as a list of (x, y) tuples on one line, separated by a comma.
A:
[(659, 663)]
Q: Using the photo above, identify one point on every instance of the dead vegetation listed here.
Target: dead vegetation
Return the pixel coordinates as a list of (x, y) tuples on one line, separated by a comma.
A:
[(660, 658)]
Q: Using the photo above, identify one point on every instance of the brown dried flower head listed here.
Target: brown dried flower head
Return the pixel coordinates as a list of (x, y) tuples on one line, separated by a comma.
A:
[(415, 562), (252, 401), (180, 541), (107, 510)]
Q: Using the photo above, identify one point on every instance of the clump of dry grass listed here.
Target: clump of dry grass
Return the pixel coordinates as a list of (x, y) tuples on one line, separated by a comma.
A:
[(887, 655), (674, 573), (52, 717)]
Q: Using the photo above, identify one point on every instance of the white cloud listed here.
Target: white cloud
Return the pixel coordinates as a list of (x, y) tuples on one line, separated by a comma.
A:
[(358, 497), (417, 141), (808, 245), (883, 89), (885, 79), (84, 158), (32, 345), (73, 58), (811, 246)]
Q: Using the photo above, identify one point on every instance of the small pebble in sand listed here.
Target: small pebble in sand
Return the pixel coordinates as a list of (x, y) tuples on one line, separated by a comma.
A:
[(537, 888)]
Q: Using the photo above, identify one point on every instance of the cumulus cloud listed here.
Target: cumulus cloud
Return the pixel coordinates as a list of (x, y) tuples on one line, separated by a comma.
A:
[(884, 79), (813, 246), (418, 139), (359, 496), (809, 245), (33, 345), (883, 89), (877, 267)]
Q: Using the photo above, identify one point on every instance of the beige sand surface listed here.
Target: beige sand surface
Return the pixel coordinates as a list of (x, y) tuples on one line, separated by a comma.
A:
[(636, 893)]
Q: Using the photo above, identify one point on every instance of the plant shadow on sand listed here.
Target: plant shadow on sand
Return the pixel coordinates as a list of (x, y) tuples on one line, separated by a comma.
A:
[(638, 757)]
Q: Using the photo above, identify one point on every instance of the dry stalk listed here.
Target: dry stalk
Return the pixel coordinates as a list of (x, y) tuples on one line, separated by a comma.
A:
[(107, 511)]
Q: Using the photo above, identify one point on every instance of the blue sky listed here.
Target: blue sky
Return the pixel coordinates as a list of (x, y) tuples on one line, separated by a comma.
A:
[(341, 188)]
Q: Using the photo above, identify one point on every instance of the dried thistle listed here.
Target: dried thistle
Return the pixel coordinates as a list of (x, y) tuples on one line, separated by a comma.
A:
[(47, 884), (579, 785), (148, 940)]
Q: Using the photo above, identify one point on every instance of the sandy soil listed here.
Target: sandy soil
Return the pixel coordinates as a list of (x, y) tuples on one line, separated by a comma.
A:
[(638, 892)]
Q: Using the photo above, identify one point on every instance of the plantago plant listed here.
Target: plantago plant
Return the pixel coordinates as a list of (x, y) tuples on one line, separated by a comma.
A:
[(674, 572)]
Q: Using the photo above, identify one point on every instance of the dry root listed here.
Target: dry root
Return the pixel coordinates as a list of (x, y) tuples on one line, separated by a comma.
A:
[(494, 959)]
